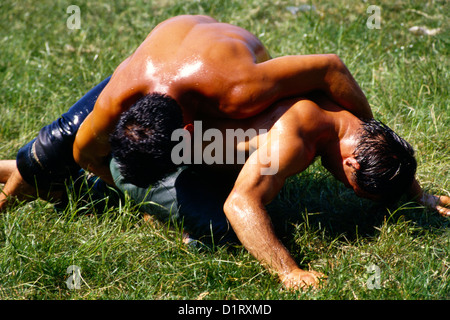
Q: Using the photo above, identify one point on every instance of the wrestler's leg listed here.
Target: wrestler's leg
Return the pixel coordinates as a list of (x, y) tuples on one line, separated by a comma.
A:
[(48, 160), (44, 164), (13, 183), (6, 169), (16, 189)]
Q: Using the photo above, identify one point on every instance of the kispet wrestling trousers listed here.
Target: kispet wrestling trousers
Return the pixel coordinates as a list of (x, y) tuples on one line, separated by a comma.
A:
[(47, 161)]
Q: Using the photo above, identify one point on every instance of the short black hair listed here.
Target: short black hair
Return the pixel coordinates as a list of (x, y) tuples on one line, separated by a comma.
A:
[(141, 142), (387, 163)]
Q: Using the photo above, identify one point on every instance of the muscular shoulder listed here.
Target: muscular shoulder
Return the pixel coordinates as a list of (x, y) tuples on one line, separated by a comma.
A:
[(183, 21), (171, 32), (293, 137), (301, 113)]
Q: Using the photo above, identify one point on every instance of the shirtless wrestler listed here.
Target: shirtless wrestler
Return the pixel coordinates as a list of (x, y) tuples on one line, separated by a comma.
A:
[(364, 155), (208, 68), (260, 82), (197, 65)]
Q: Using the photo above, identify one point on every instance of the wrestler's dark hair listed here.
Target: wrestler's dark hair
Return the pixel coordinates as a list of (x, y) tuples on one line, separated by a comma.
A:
[(387, 163), (141, 142)]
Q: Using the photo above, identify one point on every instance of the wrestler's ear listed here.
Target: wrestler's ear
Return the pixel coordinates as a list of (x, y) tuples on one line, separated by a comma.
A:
[(189, 127), (351, 162)]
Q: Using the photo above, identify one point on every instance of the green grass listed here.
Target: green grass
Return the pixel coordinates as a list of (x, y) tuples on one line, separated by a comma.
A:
[(45, 68)]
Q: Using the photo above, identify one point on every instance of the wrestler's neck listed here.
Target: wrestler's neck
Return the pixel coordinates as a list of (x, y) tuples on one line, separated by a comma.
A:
[(339, 141), (347, 126), (187, 102)]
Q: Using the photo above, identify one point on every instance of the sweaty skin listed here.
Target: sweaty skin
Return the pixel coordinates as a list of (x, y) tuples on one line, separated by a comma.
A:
[(299, 131), (209, 68)]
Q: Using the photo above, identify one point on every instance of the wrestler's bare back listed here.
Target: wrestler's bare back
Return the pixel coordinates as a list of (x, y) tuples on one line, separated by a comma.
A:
[(196, 60)]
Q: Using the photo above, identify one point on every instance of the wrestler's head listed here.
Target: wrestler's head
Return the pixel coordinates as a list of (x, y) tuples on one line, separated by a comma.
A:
[(141, 143), (385, 165)]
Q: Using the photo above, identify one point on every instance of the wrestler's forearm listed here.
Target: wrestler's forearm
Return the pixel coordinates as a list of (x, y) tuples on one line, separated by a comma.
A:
[(100, 169), (300, 74), (253, 227), (415, 192), (104, 173), (343, 88), (92, 154)]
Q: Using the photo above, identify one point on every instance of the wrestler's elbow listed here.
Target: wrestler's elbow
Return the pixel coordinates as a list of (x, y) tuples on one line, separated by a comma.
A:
[(334, 61), (334, 68), (89, 153), (88, 163), (230, 204), (234, 203), (240, 203)]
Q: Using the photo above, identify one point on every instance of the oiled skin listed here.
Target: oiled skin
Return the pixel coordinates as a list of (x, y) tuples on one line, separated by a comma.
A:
[(209, 68), (299, 130)]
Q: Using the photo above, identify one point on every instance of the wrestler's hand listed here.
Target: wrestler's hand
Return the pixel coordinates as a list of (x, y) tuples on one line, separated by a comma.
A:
[(300, 279), (439, 203)]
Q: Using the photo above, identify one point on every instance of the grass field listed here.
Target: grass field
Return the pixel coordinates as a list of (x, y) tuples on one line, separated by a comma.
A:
[(45, 67)]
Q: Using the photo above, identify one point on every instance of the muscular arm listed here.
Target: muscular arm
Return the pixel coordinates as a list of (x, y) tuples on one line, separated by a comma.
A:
[(295, 75), (91, 146), (247, 215)]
